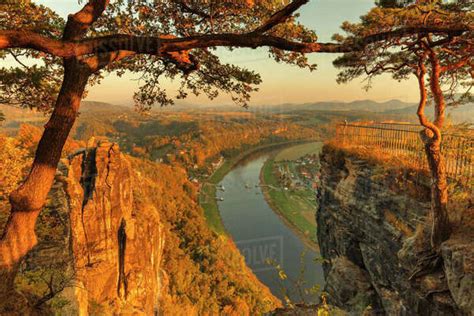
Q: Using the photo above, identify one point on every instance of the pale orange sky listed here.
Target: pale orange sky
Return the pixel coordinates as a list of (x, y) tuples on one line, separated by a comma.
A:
[(281, 83)]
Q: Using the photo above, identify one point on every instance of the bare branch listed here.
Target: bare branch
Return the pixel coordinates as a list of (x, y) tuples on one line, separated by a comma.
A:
[(17, 59), (459, 64)]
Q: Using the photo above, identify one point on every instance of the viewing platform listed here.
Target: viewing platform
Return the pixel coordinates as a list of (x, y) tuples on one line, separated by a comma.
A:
[(403, 142)]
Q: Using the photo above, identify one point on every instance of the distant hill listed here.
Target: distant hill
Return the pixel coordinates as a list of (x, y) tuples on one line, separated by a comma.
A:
[(394, 109), (459, 114), (359, 105), (12, 112), (95, 106), (15, 116)]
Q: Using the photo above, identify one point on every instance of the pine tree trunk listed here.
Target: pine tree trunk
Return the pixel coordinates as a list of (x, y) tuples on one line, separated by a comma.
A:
[(28, 199), (441, 228)]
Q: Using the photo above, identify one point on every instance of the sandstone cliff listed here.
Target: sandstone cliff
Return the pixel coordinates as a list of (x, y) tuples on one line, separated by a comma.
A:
[(100, 247), (371, 231), (125, 236)]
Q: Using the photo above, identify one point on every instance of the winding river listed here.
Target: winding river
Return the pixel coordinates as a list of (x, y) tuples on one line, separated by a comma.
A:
[(260, 234)]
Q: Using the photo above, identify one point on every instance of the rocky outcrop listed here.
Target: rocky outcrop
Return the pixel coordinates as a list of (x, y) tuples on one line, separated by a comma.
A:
[(126, 236), (99, 242), (371, 231), (458, 258)]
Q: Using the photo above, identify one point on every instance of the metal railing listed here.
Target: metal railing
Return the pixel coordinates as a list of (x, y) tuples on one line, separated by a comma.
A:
[(404, 141)]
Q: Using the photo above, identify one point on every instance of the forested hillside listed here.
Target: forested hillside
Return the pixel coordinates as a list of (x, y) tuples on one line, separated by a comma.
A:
[(201, 272)]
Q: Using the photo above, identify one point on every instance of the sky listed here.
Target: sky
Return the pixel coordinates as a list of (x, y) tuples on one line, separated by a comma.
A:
[(281, 83)]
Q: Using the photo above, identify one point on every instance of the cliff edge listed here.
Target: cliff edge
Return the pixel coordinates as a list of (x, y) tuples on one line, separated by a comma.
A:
[(371, 231), (126, 236), (100, 248)]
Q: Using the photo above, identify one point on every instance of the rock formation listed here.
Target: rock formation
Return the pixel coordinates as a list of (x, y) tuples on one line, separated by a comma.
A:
[(371, 227), (126, 236), (100, 246)]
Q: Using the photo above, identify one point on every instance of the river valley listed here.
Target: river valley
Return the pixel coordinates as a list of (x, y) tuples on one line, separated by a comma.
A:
[(260, 234)]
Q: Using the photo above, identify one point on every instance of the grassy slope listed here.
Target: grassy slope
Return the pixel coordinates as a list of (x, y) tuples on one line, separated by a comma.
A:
[(295, 152), (296, 207), (207, 196)]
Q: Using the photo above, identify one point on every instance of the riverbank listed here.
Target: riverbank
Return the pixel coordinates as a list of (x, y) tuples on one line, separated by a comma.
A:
[(207, 195), (262, 236), (293, 207)]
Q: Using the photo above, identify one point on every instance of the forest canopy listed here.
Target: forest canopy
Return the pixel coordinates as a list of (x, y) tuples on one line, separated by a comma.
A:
[(198, 72)]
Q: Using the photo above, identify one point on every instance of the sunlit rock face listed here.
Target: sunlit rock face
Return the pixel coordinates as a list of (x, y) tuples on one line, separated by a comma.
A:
[(115, 241), (111, 243), (102, 240), (371, 232)]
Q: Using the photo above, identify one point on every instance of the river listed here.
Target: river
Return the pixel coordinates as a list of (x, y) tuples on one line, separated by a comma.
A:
[(261, 234)]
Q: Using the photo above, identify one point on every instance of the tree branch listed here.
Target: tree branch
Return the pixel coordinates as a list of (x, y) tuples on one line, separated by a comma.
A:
[(459, 64), (280, 16), (380, 67), (186, 8), (164, 44), (78, 24), (421, 73)]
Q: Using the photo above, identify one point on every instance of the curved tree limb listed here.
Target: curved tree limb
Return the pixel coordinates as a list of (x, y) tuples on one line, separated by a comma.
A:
[(440, 229), (28, 199), (155, 45), (421, 74), (440, 104), (79, 23), (280, 16)]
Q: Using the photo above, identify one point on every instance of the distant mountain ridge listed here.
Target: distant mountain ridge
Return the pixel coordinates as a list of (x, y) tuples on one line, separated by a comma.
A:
[(460, 114), (94, 106), (358, 105)]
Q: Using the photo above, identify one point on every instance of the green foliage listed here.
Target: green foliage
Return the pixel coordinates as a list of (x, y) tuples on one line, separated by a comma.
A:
[(149, 18), (48, 270), (299, 286), (193, 140), (299, 151), (35, 81), (95, 309), (46, 284), (399, 55), (93, 128)]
